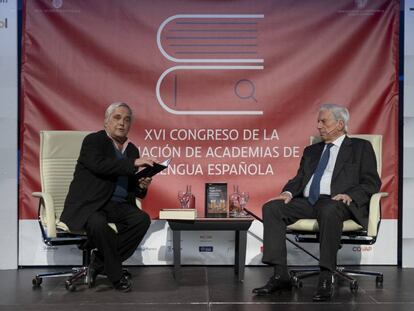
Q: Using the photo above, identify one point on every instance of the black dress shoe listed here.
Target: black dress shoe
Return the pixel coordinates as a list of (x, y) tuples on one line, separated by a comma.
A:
[(324, 290), (275, 283), (123, 285)]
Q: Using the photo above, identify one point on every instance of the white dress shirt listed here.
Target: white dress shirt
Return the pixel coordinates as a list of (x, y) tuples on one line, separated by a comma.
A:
[(325, 186)]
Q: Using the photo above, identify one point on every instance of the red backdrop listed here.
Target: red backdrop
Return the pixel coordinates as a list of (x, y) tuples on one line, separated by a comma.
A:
[(79, 56)]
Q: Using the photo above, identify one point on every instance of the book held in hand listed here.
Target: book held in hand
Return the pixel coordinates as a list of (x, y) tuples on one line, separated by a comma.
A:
[(150, 171), (178, 213)]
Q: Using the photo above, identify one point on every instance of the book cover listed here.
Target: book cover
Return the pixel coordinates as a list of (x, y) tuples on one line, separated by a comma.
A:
[(150, 171), (216, 200), (178, 213)]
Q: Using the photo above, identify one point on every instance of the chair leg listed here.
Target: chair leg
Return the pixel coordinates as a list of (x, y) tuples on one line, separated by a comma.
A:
[(297, 275), (74, 274), (38, 279), (81, 273), (353, 283), (379, 277)]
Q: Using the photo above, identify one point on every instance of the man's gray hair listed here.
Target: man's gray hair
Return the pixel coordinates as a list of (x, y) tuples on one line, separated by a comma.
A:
[(113, 106), (339, 113)]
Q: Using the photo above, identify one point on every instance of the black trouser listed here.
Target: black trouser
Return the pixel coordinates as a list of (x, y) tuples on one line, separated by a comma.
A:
[(330, 215), (114, 248)]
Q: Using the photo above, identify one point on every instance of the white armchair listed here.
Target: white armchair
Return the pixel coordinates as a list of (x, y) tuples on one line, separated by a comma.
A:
[(58, 155), (306, 230)]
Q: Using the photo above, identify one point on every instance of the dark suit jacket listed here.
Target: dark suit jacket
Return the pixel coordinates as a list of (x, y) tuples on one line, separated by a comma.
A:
[(355, 174), (95, 177)]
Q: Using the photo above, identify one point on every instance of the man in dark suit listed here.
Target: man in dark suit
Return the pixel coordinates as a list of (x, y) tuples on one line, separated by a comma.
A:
[(103, 191), (334, 182)]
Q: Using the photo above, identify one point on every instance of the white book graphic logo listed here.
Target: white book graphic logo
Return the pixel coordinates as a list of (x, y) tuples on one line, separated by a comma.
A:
[(224, 39)]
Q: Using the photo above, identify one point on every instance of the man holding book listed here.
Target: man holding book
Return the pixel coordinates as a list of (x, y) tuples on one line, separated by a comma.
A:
[(103, 190)]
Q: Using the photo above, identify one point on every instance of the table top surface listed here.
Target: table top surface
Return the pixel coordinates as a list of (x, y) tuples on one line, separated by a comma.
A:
[(216, 219), (239, 223)]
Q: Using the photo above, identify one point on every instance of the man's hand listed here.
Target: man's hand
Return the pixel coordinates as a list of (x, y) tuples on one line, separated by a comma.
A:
[(144, 182), (344, 198), (285, 196), (140, 162)]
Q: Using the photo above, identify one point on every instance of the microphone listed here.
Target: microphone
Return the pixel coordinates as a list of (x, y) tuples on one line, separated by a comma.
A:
[(331, 131), (334, 129)]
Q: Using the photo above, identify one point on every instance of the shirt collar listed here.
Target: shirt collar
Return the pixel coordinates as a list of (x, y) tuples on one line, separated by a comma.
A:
[(115, 143), (338, 142)]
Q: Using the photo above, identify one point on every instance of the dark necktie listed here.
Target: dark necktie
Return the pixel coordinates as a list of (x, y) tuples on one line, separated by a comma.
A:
[(315, 186)]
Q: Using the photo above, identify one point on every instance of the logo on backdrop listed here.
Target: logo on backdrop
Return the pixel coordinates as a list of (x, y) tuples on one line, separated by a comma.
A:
[(227, 39), (205, 249), (360, 9), (3, 23), (57, 4), (3, 1), (361, 4), (361, 249)]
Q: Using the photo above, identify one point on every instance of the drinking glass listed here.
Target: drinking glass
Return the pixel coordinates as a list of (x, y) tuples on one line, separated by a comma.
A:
[(243, 199), (184, 198), (234, 205)]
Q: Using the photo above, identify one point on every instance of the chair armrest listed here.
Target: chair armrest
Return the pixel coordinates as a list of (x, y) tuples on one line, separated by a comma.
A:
[(47, 212), (375, 213)]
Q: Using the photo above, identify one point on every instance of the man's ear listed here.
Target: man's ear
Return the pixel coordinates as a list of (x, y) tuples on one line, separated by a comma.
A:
[(341, 124)]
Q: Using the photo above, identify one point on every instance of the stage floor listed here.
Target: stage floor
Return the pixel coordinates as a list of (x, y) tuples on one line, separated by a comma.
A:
[(201, 288)]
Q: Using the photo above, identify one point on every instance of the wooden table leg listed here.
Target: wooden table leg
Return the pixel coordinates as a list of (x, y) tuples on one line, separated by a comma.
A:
[(240, 253), (236, 252), (176, 250)]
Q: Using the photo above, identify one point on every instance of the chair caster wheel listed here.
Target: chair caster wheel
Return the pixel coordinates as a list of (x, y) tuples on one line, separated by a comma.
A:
[(354, 287), (70, 287), (37, 281), (379, 281)]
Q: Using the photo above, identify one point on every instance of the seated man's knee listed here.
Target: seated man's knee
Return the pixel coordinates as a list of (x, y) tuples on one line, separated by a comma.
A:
[(327, 211), (271, 208), (141, 219)]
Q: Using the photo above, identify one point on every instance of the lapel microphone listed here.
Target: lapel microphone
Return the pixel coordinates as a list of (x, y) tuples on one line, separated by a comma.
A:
[(334, 129)]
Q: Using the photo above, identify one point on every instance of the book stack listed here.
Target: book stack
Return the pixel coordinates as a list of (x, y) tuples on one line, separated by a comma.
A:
[(178, 213)]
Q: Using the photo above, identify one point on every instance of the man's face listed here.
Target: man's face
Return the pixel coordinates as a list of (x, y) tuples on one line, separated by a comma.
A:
[(329, 128), (119, 123)]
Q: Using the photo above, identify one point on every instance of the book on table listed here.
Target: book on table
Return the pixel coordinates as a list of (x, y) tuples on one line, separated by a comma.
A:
[(216, 200), (178, 213), (150, 171)]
